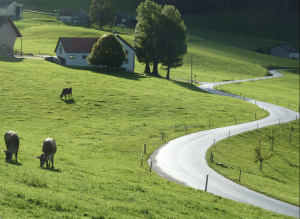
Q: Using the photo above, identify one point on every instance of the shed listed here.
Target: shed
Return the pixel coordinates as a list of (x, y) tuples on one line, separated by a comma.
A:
[(125, 20)]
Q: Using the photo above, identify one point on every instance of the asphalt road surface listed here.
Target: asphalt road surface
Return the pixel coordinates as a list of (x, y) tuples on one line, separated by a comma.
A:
[(182, 160)]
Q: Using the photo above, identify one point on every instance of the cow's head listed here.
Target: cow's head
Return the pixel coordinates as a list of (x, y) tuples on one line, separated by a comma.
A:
[(42, 159), (9, 155)]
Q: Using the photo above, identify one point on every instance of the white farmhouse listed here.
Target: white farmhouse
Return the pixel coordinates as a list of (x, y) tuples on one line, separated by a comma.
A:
[(74, 51), (8, 8), (8, 35)]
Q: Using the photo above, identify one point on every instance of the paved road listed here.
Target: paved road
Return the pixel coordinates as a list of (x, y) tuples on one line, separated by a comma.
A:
[(183, 160)]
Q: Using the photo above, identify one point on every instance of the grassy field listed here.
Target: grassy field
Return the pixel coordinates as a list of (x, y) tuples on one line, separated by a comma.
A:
[(100, 134), (101, 131), (280, 175), (267, 90)]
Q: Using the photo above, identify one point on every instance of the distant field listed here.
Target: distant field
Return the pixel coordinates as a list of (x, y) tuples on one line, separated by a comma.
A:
[(283, 91)]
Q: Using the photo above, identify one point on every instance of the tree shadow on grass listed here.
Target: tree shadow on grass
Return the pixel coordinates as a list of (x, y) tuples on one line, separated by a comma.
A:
[(189, 86), (68, 101), (113, 72)]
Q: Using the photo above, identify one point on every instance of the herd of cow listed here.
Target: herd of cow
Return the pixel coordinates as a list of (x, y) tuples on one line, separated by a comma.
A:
[(12, 142)]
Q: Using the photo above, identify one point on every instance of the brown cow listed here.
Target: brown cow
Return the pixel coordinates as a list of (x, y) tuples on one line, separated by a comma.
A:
[(12, 145), (66, 91), (49, 149)]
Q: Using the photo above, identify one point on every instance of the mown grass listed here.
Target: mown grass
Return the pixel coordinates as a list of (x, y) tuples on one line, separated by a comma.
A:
[(99, 134), (280, 175), (283, 91)]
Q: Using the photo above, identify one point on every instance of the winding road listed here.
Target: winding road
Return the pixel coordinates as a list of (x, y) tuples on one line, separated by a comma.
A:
[(182, 160)]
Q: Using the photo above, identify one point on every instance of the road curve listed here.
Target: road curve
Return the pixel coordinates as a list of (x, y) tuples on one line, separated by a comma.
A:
[(182, 160)]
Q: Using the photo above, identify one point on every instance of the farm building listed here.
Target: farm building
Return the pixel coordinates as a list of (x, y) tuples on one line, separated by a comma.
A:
[(74, 51), (285, 52), (77, 16), (125, 20), (8, 8), (8, 35)]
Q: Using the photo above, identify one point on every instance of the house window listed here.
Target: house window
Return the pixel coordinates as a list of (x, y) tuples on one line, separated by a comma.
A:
[(60, 49), (84, 57), (126, 61), (3, 47), (72, 57), (126, 51)]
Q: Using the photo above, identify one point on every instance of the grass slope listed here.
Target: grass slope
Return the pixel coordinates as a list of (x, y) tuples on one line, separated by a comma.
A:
[(280, 175), (99, 135)]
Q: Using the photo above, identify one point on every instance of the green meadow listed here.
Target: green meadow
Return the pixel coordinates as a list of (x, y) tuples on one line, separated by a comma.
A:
[(100, 132), (280, 175)]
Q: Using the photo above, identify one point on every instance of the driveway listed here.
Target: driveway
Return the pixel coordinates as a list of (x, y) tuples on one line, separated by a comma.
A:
[(182, 160)]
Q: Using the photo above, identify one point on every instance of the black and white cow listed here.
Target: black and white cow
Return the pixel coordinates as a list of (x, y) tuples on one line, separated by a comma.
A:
[(66, 91)]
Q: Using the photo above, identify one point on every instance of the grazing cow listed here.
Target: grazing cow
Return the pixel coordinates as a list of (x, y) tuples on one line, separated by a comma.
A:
[(66, 91), (49, 149), (12, 145)]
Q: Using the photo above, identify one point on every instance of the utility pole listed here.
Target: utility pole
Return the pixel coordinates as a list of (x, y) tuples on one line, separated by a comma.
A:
[(191, 68)]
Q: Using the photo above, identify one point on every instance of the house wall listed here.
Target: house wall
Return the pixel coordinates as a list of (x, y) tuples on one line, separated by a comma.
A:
[(280, 52), (80, 18), (294, 55), (131, 58), (65, 18), (8, 38), (3, 11), (77, 61), (11, 9)]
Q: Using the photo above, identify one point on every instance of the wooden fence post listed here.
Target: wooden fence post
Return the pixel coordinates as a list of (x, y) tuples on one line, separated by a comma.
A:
[(240, 175), (206, 183), (144, 148)]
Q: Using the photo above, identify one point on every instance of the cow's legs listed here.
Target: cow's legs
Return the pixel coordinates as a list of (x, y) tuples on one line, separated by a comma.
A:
[(16, 154)]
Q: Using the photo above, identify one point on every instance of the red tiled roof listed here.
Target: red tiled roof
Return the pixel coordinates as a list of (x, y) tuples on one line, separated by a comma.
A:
[(82, 45), (77, 45)]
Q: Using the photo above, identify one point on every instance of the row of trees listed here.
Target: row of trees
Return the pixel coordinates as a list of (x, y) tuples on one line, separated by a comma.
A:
[(160, 37)]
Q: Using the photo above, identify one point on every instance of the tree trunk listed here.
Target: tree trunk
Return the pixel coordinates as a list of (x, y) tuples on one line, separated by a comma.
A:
[(260, 167), (147, 68), (168, 72), (155, 66)]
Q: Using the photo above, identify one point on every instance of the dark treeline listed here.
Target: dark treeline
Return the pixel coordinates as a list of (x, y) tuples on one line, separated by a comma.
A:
[(205, 6)]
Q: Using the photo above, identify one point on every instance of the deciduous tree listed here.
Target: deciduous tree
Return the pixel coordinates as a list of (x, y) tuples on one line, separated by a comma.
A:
[(108, 51), (102, 12), (143, 42), (259, 157), (170, 39)]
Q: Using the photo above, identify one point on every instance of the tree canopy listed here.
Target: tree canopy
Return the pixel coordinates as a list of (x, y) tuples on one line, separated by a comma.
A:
[(170, 39), (160, 36), (102, 13), (108, 51), (143, 41)]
